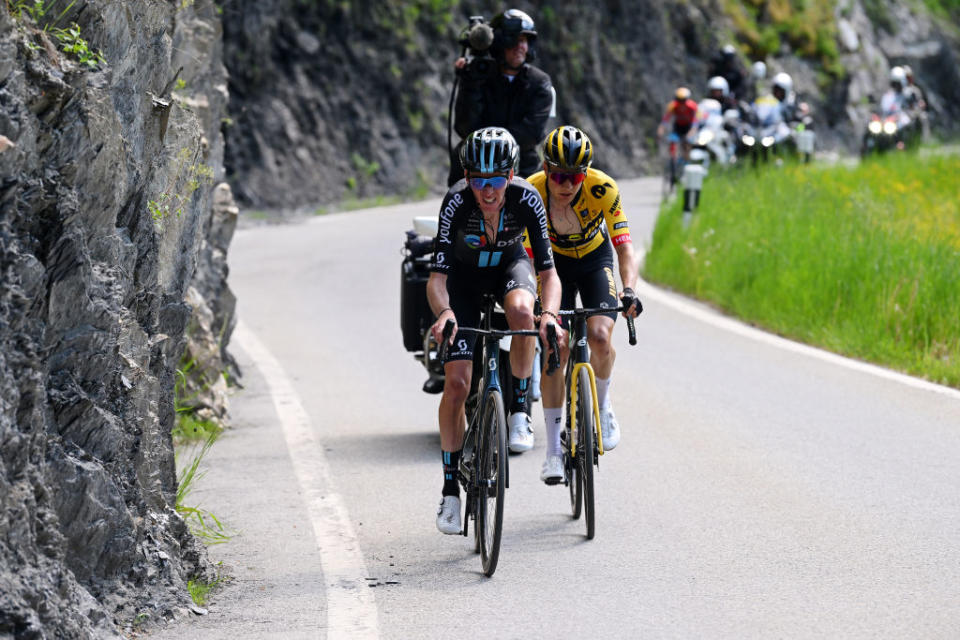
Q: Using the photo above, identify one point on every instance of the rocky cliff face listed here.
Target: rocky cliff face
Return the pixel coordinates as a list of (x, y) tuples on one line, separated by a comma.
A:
[(333, 100), (105, 218)]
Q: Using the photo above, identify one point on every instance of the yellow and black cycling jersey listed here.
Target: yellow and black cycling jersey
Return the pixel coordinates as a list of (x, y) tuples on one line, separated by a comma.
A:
[(597, 206)]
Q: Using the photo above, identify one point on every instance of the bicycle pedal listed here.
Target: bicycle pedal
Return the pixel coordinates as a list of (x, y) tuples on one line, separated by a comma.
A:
[(554, 481)]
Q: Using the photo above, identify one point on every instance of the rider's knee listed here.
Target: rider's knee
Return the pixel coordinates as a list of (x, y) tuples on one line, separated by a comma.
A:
[(456, 386), (519, 316), (598, 337)]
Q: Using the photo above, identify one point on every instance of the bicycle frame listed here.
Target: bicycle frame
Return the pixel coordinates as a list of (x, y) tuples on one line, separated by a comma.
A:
[(580, 359)]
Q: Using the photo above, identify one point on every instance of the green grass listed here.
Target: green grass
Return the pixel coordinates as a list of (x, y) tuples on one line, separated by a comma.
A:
[(863, 261), (200, 590)]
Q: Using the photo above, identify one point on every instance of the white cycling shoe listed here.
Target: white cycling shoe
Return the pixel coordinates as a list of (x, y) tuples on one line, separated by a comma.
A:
[(552, 470), (609, 429), (521, 432), (448, 516)]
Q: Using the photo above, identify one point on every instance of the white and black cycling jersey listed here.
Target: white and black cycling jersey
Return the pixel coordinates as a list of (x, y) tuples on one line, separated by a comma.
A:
[(464, 242)]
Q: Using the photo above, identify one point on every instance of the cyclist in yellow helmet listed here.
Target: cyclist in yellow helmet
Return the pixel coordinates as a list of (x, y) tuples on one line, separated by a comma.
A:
[(586, 224)]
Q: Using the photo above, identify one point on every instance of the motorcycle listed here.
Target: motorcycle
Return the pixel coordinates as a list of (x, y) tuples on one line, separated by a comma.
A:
[(416, 317), (884, 132), (712, 136)]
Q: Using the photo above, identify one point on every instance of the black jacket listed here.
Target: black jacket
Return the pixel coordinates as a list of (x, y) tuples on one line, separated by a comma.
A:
[(521, 106)]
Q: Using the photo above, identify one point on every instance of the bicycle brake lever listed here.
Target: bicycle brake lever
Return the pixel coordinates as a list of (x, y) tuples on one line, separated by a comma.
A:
[(445, 342), (554, 361)]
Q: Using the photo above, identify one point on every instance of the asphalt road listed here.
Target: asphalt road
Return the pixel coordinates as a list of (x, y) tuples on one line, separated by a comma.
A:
[(760, 490)]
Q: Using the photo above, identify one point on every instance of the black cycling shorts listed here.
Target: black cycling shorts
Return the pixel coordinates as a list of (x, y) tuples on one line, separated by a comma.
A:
[(592, 277), (466, 289), (682, 129)]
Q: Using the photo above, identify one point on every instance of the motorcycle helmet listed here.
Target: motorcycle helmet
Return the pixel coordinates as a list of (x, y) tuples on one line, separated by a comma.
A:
[(784, 82), (728, 52), (759, 70), (568, 149), (489, 150), (898, 76), (718, 83), (507, 28), (681, 94)]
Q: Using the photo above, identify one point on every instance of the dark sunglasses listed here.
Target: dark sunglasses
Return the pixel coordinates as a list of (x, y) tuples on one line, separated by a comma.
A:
[(497, 182), (574, 178)]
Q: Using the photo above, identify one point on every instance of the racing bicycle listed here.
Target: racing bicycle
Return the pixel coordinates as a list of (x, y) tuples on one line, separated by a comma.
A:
[(581, 438), (484, 471)]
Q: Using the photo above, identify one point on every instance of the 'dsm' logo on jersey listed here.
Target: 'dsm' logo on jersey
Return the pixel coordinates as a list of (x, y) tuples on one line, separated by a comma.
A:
[(475, 242)]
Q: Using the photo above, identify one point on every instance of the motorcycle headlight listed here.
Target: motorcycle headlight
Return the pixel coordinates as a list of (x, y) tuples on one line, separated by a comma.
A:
[(767, 141), (889, 128), (705, 137), (875, 126), (749, 140)]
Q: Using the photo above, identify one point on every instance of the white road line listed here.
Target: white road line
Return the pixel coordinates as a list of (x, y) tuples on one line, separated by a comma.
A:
[(677, 303), (351, 609)]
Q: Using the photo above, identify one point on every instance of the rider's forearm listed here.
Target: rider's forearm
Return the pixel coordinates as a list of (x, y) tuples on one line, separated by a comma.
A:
[(550, 290), (437, 294), (627, 262)]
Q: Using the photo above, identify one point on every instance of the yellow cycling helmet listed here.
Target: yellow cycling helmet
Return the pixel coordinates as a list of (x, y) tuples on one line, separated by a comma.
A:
[(568, 149), (681, 94)]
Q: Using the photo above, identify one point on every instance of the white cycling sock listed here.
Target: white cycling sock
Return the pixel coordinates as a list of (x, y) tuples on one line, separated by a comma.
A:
[(554, 422), (603, 392)]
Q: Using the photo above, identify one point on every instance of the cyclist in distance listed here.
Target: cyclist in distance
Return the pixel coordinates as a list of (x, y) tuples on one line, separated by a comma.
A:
[(511, 93), (586, 224), (483, 219), (682, 111)]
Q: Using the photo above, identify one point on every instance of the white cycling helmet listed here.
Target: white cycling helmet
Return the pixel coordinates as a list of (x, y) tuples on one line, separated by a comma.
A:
[(759, 70), (718, 83), (784, 81)]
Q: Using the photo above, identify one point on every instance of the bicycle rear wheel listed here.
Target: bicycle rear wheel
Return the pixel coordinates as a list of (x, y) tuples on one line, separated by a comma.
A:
[(491, 478), (586, 453)]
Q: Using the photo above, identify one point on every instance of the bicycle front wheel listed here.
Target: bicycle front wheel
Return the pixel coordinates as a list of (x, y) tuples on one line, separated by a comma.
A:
[(668, 179), (491, 480), (586, 452), (574, 477)]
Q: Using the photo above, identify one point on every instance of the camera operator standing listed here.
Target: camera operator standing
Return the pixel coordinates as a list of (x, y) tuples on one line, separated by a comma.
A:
[(499, 88)]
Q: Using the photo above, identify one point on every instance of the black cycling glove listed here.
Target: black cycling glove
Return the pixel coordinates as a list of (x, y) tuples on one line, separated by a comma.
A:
[(629, 299)]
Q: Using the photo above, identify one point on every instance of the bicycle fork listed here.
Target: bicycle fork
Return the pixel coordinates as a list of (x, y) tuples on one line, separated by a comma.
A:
[(574, 388)]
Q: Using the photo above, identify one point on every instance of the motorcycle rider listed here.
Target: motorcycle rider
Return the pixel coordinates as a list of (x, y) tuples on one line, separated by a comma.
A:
[(512, 93), (782, 90), (586, 224), (916, 102), (483, 219), (894, 102), (725, 63), (719, 89), (758, 76)]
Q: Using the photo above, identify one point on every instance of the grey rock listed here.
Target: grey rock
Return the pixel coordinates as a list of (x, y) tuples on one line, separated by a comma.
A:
[(307, 123), (93, 311), (848, 35)]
